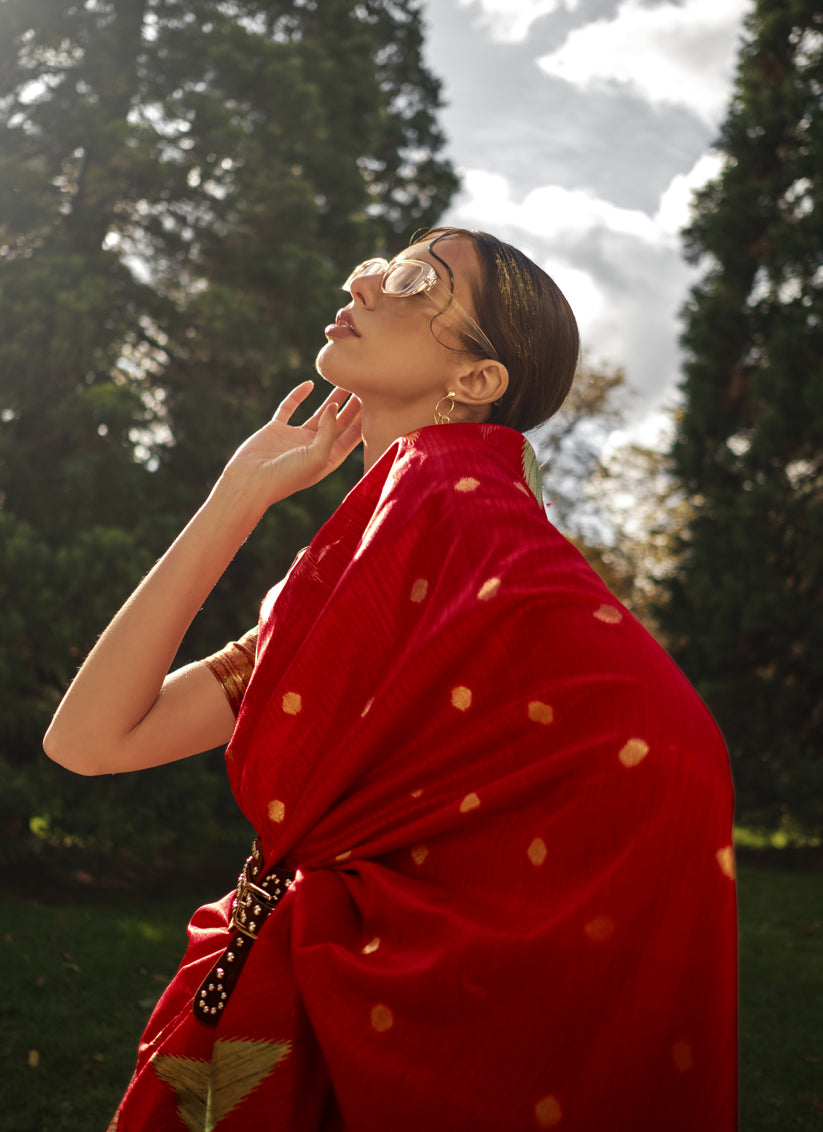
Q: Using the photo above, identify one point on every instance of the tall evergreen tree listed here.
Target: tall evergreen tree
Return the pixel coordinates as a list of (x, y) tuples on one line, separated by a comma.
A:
[(183, 187), (747, 604)]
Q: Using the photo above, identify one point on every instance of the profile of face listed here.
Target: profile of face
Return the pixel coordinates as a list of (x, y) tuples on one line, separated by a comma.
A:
[(402, 351)]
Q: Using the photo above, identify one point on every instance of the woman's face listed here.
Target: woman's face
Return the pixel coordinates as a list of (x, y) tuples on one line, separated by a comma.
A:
[(382, 349)]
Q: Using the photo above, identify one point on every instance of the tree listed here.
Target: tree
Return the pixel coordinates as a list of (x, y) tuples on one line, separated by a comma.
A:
[(570, 445), (618, 504), (745, 609), (183, 187)]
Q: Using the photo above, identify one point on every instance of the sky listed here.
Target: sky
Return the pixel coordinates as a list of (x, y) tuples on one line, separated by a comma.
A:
[(580, 129)]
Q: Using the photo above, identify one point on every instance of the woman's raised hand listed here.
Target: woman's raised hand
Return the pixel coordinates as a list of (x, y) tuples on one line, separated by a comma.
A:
[(281, 458), (122, 711)]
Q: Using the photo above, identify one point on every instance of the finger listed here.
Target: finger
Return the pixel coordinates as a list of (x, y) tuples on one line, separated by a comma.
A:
[(292, 401), (349, 423), (336, 397), (326, 432), (349, 438)]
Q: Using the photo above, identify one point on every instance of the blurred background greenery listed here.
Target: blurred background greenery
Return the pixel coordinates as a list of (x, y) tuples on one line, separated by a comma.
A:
[(183, 187)]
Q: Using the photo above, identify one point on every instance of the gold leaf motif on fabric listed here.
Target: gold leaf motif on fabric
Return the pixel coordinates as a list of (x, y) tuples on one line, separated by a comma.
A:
[(382, 1018), (292, 703), (488, 590), (600, 928), (540, 712), (548, 1113), (209, 1090), (608, 614), (461, 698), (419, 590), (725, 859), (277, 810), (632, 753), (531, 471)]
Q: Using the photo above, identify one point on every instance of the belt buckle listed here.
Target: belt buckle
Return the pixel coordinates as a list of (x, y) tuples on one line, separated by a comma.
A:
[(252, 905), (247, 907)]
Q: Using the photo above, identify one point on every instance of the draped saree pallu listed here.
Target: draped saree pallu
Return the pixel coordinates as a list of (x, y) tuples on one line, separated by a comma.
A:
[(508, 816)]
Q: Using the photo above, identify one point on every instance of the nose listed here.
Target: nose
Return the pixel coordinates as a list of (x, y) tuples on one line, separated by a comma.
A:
[(366, 288)]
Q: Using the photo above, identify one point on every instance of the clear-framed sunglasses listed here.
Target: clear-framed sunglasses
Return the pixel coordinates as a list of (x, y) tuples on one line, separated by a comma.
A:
[(404, 277)]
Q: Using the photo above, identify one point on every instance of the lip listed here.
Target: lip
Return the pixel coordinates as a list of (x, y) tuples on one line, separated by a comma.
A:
[(344, 319)]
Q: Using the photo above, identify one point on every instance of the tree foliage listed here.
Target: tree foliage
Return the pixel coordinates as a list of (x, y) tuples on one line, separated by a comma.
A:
[(616, 502), (570, 445), (183, 187), (746, 607)]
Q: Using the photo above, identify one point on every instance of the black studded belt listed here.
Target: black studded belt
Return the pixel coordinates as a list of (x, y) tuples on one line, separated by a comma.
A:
[(256, 897)]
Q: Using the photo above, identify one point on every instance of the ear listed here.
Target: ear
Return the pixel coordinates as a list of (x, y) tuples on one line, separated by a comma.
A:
[(482, 383)]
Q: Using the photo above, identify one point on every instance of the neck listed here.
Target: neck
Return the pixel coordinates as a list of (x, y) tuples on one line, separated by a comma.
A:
[(382, 426)]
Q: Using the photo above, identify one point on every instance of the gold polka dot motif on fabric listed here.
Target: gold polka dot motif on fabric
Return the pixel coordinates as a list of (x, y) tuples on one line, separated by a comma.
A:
[(548, 1113), (343, 856), (632, 753), (367, 708), (419, 854), (540, 712), (416, 793), (682, 1056), (419, 590), (461, 697), (537, 852), (469, 803), (608, 614), (277, 810), (488, 590), (371, 946), (725, 859), (467, 483), (599, 929), (382, 1018), (292, 703)]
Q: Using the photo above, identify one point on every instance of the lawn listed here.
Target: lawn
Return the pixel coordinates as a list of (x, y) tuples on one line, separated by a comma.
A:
[(81, 979)]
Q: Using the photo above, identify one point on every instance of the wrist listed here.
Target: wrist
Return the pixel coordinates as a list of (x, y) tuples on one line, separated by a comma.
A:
[(233, 507)]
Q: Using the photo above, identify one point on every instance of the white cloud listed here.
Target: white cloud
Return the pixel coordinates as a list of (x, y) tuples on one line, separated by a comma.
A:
[(673, 212), (510, 21), (555, 213), (621, 270), (674, 54)]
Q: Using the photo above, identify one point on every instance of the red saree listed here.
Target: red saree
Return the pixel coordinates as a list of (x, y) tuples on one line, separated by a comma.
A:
[(511, 816)]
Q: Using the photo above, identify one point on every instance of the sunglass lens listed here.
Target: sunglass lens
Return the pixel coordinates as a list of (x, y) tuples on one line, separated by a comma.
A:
[(403, 278)]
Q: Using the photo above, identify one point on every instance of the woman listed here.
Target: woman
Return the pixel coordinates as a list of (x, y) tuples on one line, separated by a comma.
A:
[(493, 883)]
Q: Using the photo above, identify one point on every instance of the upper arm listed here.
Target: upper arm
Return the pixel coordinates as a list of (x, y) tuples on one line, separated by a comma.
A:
[(190, 715)]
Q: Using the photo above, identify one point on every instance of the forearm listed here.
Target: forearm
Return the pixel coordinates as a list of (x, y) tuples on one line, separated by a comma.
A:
[(120, 682), (121, 713)]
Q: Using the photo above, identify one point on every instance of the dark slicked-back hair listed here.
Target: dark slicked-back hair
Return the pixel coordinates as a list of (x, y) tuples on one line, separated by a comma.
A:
[(528, 321)]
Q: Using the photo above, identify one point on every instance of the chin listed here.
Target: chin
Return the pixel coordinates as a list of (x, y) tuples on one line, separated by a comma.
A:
[(322, 364), (334, 374)]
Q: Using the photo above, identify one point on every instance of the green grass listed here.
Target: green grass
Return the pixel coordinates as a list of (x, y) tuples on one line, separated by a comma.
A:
[(80, 982), (781, 1000)]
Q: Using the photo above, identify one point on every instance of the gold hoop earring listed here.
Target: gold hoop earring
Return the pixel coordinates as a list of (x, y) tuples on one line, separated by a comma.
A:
[(441, 417)]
